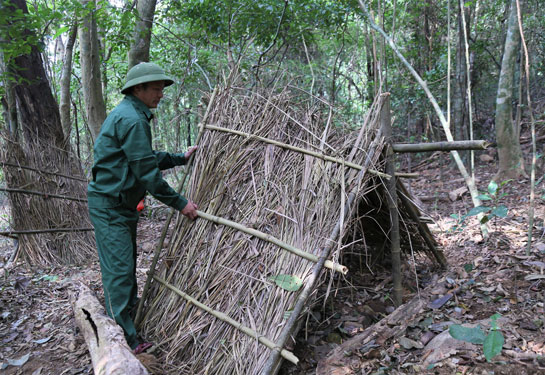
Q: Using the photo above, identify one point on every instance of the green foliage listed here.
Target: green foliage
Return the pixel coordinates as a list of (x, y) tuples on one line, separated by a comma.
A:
[(492, 342), (288, 282), (493, 210)]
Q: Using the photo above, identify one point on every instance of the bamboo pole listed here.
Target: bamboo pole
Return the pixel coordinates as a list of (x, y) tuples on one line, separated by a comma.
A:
[(272, 363), (45, 172), (11, 233), (224, 318), (439, 146), (45, 195), (395, 246), (159, 246), (297, 149), (266, 237), (533, 130)]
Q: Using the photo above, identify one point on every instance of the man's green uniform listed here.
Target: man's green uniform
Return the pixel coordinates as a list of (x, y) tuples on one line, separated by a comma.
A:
[(125, 168)]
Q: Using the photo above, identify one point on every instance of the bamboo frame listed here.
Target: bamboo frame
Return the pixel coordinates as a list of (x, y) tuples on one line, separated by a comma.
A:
[(266, 237), (4, 163), (439, 146), (395, 245), (22, 191), (297, 149), (12, 233), (224, 318)]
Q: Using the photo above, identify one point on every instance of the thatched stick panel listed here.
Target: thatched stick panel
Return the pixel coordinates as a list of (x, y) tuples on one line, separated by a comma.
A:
[(313, 258), (293, 197), (221, 316)]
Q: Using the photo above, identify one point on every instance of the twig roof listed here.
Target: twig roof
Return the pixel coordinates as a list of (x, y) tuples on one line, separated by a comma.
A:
[(291, 196)]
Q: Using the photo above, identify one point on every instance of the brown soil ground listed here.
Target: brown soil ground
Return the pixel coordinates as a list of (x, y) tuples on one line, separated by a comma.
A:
[(38, 334)]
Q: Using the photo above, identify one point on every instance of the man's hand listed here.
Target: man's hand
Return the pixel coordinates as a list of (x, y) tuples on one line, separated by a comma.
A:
[(189, 151), (190, 210)]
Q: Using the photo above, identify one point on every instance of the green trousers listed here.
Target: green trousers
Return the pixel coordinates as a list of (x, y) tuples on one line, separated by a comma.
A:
[(115, 234)]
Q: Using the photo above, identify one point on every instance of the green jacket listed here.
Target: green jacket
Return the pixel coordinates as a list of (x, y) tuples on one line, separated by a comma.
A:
[(125, 164)]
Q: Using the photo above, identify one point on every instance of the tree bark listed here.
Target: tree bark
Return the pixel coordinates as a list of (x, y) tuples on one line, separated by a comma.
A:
[(109, 351), (140, 46), (90, 70), (511, 163), (65, 83)]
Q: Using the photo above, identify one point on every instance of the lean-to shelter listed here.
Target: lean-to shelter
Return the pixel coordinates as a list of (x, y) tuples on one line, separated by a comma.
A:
[(221, 293)]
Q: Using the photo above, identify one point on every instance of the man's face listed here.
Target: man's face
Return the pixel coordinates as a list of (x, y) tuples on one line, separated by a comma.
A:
[(151, 93)]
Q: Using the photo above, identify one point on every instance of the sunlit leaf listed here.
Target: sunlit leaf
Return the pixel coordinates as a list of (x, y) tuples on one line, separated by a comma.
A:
[(473, 335), (478, 210), (492, 187), (500, 211), (287, 282), (493, 344)]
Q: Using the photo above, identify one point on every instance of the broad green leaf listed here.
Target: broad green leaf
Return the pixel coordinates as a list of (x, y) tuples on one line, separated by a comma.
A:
[(468, 267), (493, 345), (500, 211), (473, 335), (484, 197), (492, 187), (61, 31), (287, 282), (477, 210), (505, 182)]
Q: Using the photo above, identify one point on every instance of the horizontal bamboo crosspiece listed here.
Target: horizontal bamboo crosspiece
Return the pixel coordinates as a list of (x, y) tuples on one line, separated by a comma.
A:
[(286, 354), (266, 237), (297, 149)]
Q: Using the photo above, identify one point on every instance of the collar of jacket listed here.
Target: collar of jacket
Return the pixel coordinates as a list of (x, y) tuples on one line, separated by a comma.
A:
[(140, 106)]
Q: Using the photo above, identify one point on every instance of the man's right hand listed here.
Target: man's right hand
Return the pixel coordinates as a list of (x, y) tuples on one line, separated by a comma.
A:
[(190, 210)]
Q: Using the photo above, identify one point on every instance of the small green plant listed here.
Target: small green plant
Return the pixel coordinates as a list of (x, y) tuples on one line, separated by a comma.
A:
[(492, 342), (493, 210)]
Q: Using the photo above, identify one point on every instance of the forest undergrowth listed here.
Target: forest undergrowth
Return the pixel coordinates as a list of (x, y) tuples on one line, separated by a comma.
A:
[(38, 334)]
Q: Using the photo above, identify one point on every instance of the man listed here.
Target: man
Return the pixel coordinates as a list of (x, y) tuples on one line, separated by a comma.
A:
[(125, 168)]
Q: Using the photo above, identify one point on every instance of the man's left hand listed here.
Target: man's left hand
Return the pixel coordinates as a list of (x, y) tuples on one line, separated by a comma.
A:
[(190, 151)]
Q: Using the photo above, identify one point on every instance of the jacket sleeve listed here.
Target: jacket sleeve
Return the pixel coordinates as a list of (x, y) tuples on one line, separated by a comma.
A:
[(136, 145), (167, 160)]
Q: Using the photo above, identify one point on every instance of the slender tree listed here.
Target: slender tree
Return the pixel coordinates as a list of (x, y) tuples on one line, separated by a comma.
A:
[(90, 68), (65, 82), (511, 163), (140, 46)]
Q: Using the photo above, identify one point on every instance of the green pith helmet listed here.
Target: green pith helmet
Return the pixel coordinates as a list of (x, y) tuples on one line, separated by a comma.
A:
[(145, 72)]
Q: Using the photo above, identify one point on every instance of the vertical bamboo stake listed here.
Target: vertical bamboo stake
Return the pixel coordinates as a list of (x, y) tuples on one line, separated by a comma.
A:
[(466, 44), (159, 246), (533, 127), (395, 247)]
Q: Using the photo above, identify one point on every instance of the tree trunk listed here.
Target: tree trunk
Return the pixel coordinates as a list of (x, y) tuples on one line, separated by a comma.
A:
[(140, 46), (459, 101), (109, 351), (90, 70), (511, 163), (38, 142), (65, 83)]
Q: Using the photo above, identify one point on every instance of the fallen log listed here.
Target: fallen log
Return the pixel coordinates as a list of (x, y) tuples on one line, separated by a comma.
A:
[(109, 351), (338, 362)]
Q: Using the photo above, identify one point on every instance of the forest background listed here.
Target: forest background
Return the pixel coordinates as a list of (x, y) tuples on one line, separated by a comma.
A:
[(64, 62)]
